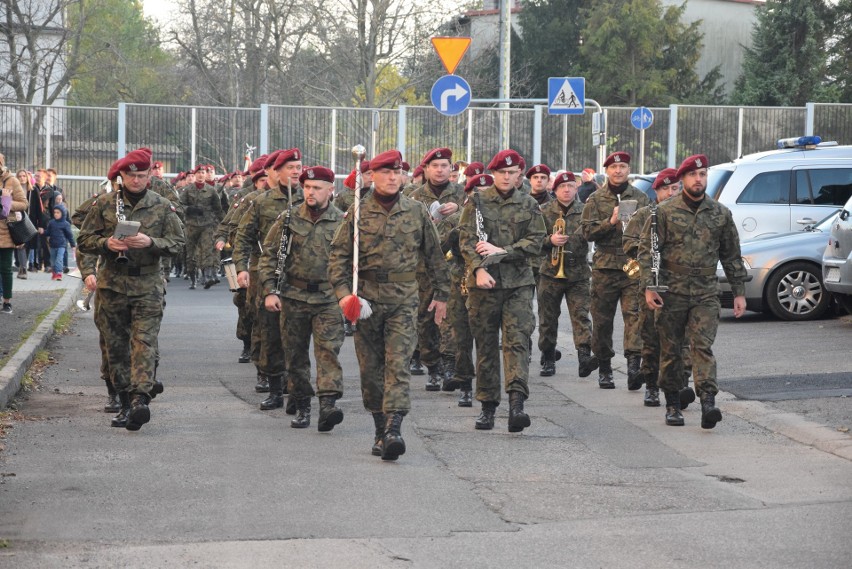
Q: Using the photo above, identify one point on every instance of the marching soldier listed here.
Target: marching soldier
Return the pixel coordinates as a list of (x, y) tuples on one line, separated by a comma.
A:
[(395, 234), (295, 283), (500, 230), (203, 211), (610, 285), (692, 233), (343, 201), (539, 176), (164, 189), (130, 287), (564, 273), (449, 197)]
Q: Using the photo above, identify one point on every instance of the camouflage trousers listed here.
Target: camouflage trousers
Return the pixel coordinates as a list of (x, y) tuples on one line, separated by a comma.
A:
[(200, 253), (253, 308), (270, 357), (428, 333), (577, 298), (130, 325), (609, 287), (651, 347), (96, 302), (691, 321), (300, 321), (492, 313), (384, 343), (461, 337), (245, 315)]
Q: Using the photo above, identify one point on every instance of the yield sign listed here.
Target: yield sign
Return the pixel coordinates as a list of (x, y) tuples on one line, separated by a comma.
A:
[(450, 50)]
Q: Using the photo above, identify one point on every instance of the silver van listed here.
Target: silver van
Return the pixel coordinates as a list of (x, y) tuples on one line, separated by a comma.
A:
[(837, 258), (786, 189)]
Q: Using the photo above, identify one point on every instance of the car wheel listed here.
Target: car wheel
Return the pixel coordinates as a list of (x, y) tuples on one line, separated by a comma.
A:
[(795, 292)]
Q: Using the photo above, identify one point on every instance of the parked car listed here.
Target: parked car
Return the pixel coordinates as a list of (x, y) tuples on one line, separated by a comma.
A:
[(783, 190), (786, 273), (643, 183), (837, 258)]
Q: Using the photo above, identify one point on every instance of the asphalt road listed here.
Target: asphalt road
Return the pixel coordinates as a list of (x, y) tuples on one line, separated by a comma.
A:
[(597, 481)]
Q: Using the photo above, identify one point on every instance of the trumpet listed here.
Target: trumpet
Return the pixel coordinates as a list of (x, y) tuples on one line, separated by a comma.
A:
[(557, 257), (631, 267)]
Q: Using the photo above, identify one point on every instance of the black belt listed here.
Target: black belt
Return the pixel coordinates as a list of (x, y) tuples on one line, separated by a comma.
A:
[(386, 277), (135, 271), (310, 286), (691, 271), (612, 250)]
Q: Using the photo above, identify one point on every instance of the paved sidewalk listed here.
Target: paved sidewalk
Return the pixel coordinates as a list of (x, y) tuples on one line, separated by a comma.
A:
[(29, 296)]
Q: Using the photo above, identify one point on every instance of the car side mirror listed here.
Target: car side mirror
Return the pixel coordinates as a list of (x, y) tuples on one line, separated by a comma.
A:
[(844, 215)]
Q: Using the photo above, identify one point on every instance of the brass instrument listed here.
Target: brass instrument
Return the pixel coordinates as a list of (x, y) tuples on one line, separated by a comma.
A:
[(119, 216), (631, 267), (557, 257)]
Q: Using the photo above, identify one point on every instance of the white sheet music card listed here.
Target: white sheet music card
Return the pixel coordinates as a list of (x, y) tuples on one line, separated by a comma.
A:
[(126, 229)]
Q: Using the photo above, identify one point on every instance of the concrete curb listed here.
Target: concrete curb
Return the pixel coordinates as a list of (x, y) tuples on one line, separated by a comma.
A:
[(13, 371)]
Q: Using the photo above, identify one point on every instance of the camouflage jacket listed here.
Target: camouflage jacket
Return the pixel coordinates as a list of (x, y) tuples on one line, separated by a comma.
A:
[(630, 239), (609, 251), (85, 262), (254, 224), (391, 245), (575, 251), (514, 224), (226, 231), (141, 274), (344, 200), (201, 206), (453, 193), (691, 243), (306, 270), (448, 233), (163, 188)]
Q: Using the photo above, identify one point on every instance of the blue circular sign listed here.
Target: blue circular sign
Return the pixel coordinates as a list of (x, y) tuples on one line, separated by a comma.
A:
[(451, 95), (642, 118)]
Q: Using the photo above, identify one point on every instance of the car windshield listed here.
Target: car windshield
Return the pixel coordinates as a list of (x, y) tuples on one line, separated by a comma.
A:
[(717, 177)]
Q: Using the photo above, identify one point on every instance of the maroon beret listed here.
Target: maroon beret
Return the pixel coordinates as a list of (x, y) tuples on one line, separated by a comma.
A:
[(258, 175), (180, 176), (350, 180), (391, 159), (365, 166), (406, 166), (474, 168), (523, 164), (437, 154), (417, 172), (284, 156), (270, 159), (478, 181), (563, 177), (538, 169), (504, 159), (317, 173), (258, 164), (617, 157), (455, 167), (666, 177), (694, 162), (136, 161), (157, 164)]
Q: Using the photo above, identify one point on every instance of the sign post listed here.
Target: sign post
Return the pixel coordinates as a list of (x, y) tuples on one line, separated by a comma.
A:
[(642, 118)]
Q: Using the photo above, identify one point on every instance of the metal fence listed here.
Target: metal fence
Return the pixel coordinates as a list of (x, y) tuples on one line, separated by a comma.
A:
[(81, 142)]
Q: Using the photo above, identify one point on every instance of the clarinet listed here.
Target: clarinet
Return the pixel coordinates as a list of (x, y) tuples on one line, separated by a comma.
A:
[(284, 247), (119, 216), (481, 235), (655, 254)]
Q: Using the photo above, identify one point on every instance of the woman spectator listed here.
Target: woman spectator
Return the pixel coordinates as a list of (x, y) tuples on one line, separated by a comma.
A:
[(25, 254), (12, 199)]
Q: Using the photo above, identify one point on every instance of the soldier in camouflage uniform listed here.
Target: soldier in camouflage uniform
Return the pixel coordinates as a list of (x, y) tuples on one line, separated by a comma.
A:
[(415, 182), (303, 296), (164, 189), (131, 294), (283, 168), (573, 286), (610, 285), (694, 232), (500, 293), (395, 233), (463, 371), (203, 211), (344, 200), (539, 178), (665, 185), (449, 196)]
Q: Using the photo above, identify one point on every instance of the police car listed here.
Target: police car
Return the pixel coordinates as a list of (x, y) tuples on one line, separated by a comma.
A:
[(837, 258)]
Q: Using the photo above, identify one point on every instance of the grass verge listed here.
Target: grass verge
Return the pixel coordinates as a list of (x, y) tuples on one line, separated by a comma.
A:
[(38, 320)]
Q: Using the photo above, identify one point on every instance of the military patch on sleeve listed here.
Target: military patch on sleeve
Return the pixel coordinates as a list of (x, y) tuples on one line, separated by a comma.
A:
[(345, 215), (171, 207)]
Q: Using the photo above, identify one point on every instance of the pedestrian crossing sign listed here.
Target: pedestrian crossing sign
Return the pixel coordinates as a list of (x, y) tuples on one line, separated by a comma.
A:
[(566, 95)]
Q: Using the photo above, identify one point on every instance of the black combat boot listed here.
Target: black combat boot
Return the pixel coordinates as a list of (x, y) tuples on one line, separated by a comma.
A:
[(687, 396), (449, 361), (673, 415), (414, 365), (120, 420), (192, 278), (557, 355), (276, 395), (290, 407), (436, 377), (303, 413), (379, 421), (392, 444), (245, 356), (262, 385), (113, 402), (209, 278), (710, 414), (518, 419), (634, 375), (157, 388), (587, 362), (139, 413), (652, 392), (178, 270), (466, 396), (330, 415), (605, 375), (548, 364), (485, 421)]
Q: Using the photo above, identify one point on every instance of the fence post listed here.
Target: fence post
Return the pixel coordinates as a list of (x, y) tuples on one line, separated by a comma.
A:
[(333, 160), (400, 128), (469, 141), (48, 135), (810, 111), (672, 159), (121, 147), (537, 112), (193, 124), (264, 129), (740, 121), (564, 142)]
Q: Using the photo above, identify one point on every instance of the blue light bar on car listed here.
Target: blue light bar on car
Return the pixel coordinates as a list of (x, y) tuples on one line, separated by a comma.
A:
[(799, 141)]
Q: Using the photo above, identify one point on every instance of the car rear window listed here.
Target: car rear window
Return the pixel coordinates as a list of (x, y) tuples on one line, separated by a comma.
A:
[(823, 186), (716, 180), (767, 188)]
